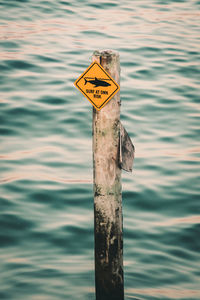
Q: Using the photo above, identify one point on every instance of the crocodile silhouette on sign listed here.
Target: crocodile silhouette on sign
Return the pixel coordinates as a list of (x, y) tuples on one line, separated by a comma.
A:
[(97, 82)]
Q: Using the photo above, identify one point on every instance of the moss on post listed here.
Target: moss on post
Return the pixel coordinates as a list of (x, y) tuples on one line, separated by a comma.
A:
[(107, 190)]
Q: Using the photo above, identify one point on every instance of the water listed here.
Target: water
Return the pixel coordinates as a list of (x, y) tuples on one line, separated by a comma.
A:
[(46, 217)]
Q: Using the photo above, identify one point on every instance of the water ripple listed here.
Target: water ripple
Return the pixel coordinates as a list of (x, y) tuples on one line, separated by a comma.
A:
[(41, 176)]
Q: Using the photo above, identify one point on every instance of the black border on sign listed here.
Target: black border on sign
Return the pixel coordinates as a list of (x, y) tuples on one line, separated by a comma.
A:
[(117, 87)]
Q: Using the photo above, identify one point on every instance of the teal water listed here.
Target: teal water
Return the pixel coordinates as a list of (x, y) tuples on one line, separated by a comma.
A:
[(46, 201)]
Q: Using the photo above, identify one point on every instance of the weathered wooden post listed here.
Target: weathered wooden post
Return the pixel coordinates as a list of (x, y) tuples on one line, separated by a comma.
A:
[(107, 190), (112, 151)]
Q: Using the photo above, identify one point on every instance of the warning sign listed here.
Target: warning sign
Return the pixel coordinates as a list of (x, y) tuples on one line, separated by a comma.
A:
[(97, 85)]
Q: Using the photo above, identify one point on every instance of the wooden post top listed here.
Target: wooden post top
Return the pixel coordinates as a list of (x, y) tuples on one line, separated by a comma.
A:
[(105, 53)]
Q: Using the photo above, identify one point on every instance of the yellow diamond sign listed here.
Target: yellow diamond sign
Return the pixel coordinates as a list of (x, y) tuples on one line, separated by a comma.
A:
[(97, 85)]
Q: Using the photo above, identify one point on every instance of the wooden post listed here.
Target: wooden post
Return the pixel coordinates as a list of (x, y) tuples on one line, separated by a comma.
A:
[(107, 190)]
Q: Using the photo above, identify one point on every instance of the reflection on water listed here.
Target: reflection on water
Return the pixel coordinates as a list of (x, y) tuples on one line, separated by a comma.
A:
[(46, 238), (171, 294), (41, 176)]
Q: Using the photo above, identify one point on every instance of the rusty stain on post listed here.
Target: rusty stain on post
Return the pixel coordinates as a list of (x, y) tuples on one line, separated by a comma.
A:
[(107, 189)]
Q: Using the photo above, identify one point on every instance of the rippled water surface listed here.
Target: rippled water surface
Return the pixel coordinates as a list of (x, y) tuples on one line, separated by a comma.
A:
[(46, 216)]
